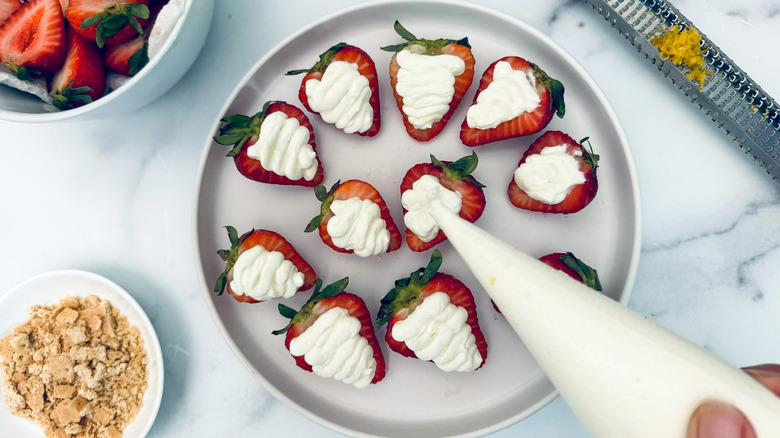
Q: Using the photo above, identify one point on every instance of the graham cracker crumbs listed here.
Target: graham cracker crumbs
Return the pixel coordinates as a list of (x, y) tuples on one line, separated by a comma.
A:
[(77, 369)]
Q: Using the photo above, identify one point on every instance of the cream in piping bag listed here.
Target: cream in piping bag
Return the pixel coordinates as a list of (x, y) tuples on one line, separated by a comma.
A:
[(622, 375)]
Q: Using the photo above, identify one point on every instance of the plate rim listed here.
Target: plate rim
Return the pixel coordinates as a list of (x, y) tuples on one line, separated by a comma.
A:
[(559, 50), (152, 350)]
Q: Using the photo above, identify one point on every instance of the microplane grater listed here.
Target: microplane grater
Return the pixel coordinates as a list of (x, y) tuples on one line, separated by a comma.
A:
[(736, 104)]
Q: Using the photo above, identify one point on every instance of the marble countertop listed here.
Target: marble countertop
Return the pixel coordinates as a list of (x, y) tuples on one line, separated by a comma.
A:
[(115, 197)]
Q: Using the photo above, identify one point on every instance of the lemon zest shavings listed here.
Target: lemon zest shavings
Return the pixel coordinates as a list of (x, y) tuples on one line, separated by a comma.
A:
[(682, 47)]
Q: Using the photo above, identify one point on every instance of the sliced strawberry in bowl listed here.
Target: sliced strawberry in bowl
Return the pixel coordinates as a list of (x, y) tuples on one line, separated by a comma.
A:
[(108, 22), (274, 146), (333, 337), (8, 7), (354, 219), (82, 78), (429, 79), (515, 98), (433, 316), (343, 88), (261, 265), (454, 186), (32, 39), (127, 58), (555, 175)]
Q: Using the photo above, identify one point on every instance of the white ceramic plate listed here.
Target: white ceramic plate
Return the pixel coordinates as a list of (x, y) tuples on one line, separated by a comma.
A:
[(50, 288), (416, 399)]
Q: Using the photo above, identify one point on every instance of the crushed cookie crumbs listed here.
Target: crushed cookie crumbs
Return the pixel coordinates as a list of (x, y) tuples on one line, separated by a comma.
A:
[(77, 369)]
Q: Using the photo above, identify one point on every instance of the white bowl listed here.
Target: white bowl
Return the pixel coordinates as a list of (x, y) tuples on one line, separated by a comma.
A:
[(168, 67), (51, 287)]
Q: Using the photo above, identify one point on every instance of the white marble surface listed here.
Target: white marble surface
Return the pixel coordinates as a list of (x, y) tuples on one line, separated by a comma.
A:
[(114, 197)]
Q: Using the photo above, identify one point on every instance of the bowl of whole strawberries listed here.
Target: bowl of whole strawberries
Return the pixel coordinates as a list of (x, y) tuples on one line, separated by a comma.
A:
[(63, 59)]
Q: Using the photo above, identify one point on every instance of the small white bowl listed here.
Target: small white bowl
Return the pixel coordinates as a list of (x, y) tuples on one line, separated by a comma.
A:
[(51, 287), (163, 71)]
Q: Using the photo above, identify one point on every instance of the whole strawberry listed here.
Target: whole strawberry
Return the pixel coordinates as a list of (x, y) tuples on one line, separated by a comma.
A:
[(342, 87), (458, 191), (275, 146), (261, 265), (32, 39), (515, 98), (432, 316), (354, 218), (429, 78), (108, 22), (555, 175), (332, 336)]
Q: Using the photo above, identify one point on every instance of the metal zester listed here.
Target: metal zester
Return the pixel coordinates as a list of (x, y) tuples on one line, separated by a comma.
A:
[(736, 104)]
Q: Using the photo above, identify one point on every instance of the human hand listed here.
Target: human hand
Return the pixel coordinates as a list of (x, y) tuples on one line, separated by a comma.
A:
[(718, 420)]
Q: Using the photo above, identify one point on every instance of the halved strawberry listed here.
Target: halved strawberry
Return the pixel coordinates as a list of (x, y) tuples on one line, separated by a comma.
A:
[(438, 98), (7, 7), (32, 39), (287, 159), (362, 238), (484, 122), (342, 104), (339, 348), (127, 58), (108, 22), (82, 78), (265, 272), (575, 268), (454, 176), (558, 175), (444, 328)]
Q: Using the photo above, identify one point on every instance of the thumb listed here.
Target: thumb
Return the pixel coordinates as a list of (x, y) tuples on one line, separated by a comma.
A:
[(717, 420)]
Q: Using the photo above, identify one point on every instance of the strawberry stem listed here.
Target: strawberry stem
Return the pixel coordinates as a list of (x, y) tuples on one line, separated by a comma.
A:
[(240, 128), (406, 292), (556, 90), (326, 199), (432, 47), (69, 97), (461, 169), (326, 58), (229, 256)]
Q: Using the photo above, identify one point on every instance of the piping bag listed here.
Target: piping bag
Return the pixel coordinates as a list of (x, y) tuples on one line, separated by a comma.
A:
[(622, 375)]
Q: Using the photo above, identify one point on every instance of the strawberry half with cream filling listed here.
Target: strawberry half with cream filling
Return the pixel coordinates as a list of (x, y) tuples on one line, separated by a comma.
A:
[(108, 22), (555, 175), (332, 336), (449, 182), (432, 316), (354, 219), (429, 78), (275, 146), (515, 98), (261, 265), (82, 78), (32, 39), (342, 87), (575, 268)]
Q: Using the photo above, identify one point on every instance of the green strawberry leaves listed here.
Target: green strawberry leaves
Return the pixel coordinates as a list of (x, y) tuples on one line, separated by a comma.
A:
[(587, 155), (556, 90), (460, 169), (229, 256), (325, 59), (319, 294), (114, 19), (432, 47), (326, 198), (70, 97), (239, 129), (139, 59), (589, 275), (407, 290)]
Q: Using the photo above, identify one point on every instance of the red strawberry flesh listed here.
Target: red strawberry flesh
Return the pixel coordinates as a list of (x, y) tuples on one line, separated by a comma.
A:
[(32, 39)]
